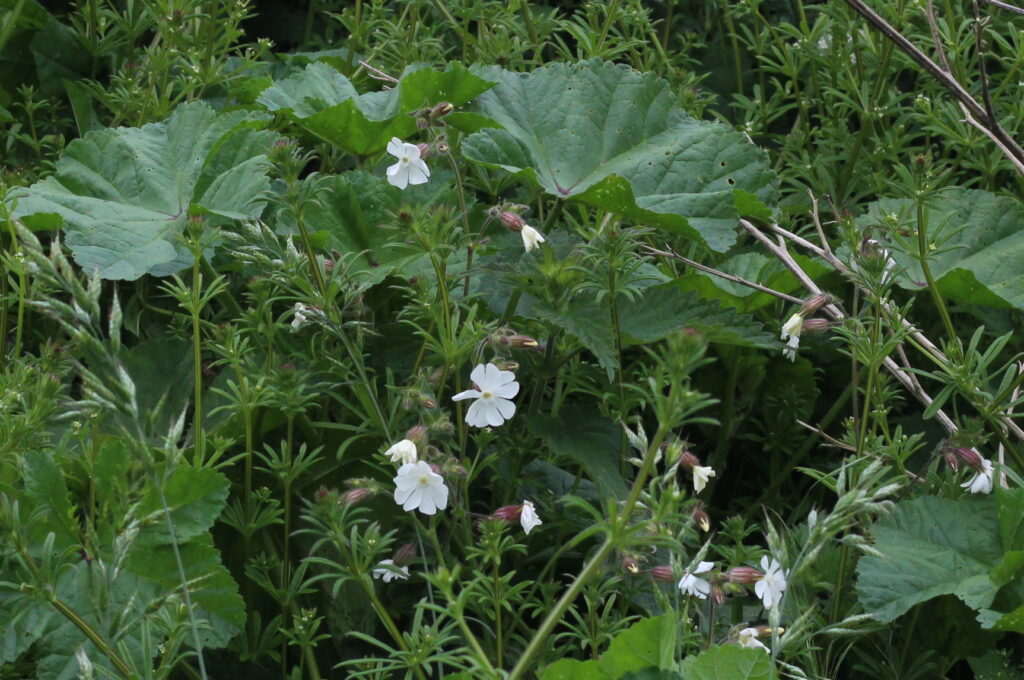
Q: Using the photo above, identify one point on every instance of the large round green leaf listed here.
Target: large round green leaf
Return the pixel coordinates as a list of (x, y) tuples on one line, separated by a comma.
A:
[(613, 138), (125, 194)]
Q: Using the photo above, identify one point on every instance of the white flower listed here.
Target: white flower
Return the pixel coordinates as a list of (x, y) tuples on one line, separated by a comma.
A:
[(417, 487), (404, 452), (748, 638), (410, 168), (982, 482), (300, 319), (389, 571), (494, 389), (531, 237), (696, 587), (701, 475), (791, 330), (773, 584), (529, 518)]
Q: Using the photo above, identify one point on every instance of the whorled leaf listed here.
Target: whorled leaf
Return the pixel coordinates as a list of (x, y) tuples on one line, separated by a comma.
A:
[(613, 138), (324, 102), (125, 194)]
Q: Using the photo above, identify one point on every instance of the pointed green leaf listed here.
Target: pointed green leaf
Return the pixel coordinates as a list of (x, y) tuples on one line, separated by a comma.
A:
[(613, 138), (929, 547), (125, 194), (981, 253)]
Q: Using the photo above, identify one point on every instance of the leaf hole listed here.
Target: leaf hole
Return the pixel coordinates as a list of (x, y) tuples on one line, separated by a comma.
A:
[(722, 164), (731, 181)]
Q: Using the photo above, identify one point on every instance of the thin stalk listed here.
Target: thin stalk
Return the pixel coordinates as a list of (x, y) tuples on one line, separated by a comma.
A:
[(197, 359), (314, 265), (609, 17), (93, 636), (922, 253)]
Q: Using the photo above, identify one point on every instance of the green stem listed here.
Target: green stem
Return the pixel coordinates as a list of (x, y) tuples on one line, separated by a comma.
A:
[(197, 358), (922, 253), (93, 636)]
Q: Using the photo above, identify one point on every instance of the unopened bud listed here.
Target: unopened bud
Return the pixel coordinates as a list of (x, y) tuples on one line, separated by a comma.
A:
[(354, 496), (511, 221), (424, 149), (814, 303), (417, 434), (442, 147), (816, 325), (422, 123), (688, 460), (442, 109), (523, 342), (630, 564), (507, 365), (970, 457), (405, 554), (717, 594), (744, 575), (435, 468), (952, 461), (321, 493), (766, 631), (507, 513), (701, 517), (663, 573)]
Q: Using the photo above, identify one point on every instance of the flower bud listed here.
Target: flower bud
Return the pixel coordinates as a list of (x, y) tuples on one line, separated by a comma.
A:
[(435, 468), (952, 461), (442, 147), (717, 594), (417, 434), (321, 494), (814, 303), (354, 496), (766, 631), (663, 573), (744, 575), (442, 109), (688, 460), (507, 365), (507, 513), (511, 221), (425, 149), (701, 517), (630, 564), (970, 457), (816, 325), (405, 554)]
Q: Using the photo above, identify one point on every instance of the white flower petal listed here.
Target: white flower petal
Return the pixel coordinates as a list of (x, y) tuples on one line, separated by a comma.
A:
[(419, 173), (493, 411), (478, 373), (396, 147), (506, 391), (468, 394), (476, 414), (529, 518)]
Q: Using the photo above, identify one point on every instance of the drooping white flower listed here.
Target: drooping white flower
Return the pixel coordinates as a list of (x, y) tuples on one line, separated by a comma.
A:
[(748, 638), (417, 487), (529, 518), (691, 585), (773, 584), (701, 475), (300, 320), (495, 388), (410, 168), (403, 452), (982, 482), (389, 571), (791, 332), (531, 237)]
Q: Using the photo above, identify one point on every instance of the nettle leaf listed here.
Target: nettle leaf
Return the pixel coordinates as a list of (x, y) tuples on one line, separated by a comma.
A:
[(195, 498), (981, 258), (636, 649), (612, 138), (125, 194), (931, 546), (324, 102), (587, 440), (729, 662)]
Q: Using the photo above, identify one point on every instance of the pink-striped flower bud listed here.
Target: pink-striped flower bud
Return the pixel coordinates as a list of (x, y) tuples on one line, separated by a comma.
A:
[(688, 460), (630, 564), (717, 594), (442, 109), (663, 573), (511, 221), (425, 149), (816, 325), (405, 554), (354, 496), (700, 516), (744, 575), (814, 303), (951, 460), (970, 457), (417, 434), (507, 513)]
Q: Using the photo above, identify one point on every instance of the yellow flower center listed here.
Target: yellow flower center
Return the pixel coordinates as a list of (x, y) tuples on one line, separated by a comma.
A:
[(486, 395)]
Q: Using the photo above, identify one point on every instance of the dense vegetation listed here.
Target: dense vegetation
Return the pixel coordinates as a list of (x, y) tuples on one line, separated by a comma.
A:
[(476, 339)]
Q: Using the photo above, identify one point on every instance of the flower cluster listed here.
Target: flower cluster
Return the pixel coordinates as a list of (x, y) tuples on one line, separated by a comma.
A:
[(701, 582)]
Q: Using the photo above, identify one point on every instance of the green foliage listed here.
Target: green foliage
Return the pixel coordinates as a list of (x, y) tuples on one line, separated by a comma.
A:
[(611, 138)]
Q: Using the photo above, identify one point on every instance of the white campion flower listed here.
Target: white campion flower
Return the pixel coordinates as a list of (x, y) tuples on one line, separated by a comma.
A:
[(495, 388), (402, 452), (791, 332), (748, 638), (982, 482), (701, 475), (531, 237), (389, 571), (417, 487), (410, 168), (691, 585), (773, 584), (529, 517)]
